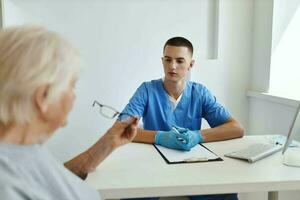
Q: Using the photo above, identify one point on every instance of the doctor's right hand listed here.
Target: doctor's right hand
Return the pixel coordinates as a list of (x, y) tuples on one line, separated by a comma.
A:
[(172, 139)]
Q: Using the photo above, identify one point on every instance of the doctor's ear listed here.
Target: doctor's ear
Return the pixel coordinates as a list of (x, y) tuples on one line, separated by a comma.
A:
[(191, 64)]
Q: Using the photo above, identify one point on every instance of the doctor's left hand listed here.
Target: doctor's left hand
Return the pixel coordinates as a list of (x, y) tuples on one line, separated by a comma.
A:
[(195, 137)]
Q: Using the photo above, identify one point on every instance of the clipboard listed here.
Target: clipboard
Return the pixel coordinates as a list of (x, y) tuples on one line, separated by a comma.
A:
[(199, 153)]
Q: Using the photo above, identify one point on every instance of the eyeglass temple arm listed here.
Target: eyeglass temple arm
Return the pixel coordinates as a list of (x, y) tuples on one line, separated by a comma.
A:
[(96, 102), (116, 114)]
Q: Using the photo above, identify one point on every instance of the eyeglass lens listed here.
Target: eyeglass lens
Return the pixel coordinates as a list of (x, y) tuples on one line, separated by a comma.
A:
[(108, 112)]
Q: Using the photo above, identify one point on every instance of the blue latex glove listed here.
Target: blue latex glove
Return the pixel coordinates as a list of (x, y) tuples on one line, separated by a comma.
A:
[(180, 129), (194, 137), (172, 139)]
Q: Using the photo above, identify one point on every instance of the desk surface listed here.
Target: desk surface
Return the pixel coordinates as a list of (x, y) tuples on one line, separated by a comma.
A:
[(138, 170)]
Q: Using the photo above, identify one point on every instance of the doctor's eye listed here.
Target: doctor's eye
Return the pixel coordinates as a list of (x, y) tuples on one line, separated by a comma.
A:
[(180, 61), (167, 60)]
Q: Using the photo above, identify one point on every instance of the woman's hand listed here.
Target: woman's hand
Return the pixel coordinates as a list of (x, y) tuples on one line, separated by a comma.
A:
[(123, 132), (120, 133)]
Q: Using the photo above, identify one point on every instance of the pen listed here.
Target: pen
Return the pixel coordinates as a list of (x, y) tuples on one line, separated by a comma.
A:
[(175, 130), (179, 138)]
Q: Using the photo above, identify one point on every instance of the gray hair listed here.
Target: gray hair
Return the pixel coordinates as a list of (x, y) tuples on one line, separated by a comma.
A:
[(31, 56)]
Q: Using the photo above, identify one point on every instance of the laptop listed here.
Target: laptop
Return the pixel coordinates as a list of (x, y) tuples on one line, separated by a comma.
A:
[(259, 151), (294, 127)]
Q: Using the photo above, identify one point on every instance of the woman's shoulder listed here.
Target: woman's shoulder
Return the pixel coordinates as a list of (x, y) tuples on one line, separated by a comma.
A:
[(12, 186), (43, 173), (17, 159)]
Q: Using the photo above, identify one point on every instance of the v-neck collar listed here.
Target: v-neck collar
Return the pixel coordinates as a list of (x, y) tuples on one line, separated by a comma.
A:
[(181, 103)]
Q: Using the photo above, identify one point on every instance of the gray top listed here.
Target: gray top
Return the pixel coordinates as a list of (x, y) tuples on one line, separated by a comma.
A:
[(32, 172)]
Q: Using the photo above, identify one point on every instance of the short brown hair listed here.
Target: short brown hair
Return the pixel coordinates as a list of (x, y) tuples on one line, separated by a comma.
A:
[(179, 42)]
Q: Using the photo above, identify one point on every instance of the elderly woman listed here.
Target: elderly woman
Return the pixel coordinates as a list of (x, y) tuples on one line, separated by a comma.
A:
[(38, 72)]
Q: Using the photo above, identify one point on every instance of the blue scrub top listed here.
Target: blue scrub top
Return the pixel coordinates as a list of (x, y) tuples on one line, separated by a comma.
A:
[(152, 103)]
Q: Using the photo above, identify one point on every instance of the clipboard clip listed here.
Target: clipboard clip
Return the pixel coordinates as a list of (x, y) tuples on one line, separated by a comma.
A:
[(195, 159)]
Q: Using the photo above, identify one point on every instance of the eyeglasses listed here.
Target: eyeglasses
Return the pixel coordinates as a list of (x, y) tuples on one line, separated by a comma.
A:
[(110, 112)]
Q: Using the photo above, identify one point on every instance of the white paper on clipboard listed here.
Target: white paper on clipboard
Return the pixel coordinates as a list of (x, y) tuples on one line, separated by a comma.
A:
[(198, 153)]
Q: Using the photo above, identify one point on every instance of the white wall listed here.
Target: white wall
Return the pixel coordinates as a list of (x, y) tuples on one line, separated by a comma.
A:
[(232, 71), (121, 44), (284, 12), (268, 115), (229, 76), (262, 41), (285, 49)]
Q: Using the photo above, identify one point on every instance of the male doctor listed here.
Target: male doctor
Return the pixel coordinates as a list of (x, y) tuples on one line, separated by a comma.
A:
[(172, 108)]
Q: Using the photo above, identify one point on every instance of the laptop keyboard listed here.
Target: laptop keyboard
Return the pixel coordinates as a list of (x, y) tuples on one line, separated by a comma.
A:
[(255, 152)]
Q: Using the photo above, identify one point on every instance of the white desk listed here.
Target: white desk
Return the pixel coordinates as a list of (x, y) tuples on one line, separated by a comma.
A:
[(137, 170)]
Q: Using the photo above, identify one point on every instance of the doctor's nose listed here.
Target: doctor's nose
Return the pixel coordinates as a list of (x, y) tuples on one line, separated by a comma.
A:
[(173, 65)]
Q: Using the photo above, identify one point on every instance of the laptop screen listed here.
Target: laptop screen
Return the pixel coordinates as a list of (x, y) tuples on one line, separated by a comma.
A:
[(295, 127)]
